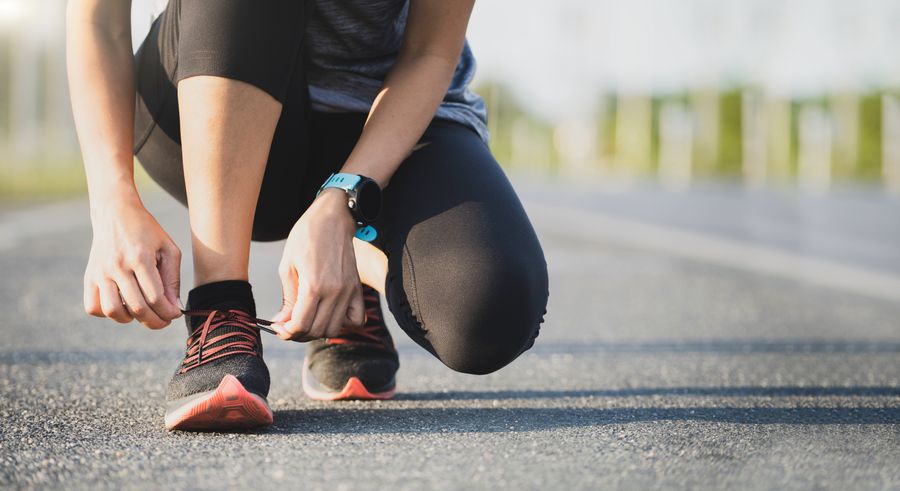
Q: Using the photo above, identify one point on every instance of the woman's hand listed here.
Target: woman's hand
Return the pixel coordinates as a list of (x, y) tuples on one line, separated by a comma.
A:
[(134, 266), (320, 282)]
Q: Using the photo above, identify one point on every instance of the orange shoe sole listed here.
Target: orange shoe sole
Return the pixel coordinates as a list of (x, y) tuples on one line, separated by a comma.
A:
[(354, 389), (229, 407)]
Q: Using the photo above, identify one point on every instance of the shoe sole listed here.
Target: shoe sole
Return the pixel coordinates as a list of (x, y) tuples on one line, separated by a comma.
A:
[(229, 407), (354, 389)]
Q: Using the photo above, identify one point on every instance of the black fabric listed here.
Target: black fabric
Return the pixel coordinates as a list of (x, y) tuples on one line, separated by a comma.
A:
[(227, 294), (467, 278), (374, 365), (250, 370)]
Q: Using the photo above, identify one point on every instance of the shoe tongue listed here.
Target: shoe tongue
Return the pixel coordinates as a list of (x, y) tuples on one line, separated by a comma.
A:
[(194, 322), (220, 295)]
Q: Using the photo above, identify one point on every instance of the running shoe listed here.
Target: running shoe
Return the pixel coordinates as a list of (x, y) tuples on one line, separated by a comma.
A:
[(222, 383), (361, 363)]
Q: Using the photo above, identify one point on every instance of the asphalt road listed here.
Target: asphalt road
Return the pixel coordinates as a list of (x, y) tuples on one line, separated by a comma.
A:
[(715, 339)]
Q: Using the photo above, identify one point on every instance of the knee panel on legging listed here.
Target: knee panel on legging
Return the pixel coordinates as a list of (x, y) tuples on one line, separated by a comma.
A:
[(477, 299), (491, 321), (247, 40)]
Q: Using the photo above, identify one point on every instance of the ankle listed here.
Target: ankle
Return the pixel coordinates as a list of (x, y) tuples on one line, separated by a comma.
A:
[(208, 277), (224, 294)]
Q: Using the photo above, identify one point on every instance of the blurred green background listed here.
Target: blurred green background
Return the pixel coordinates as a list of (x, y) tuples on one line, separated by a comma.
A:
[(792, 93)]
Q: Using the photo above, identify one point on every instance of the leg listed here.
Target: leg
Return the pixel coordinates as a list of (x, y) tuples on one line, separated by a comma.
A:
[(196, 39), (226, 130), (466, 275), (204, 131), (372, 265)]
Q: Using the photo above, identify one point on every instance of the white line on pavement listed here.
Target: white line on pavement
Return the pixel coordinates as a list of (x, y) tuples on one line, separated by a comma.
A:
[(713, 250)]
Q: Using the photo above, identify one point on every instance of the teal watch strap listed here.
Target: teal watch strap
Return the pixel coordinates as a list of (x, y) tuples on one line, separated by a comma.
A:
[(347, 182), (367, 233), (341, 180)]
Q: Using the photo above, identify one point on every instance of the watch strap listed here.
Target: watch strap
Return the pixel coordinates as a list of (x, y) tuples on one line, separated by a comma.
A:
[(341, 180), (366, 234), (347, 182)]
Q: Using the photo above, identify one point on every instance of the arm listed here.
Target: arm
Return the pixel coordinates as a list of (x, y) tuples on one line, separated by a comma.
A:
[(413, 90), (318, 269), (101, 80), (133, 267)]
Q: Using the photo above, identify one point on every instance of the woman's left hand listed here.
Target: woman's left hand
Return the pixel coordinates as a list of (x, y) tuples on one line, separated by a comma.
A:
[(320, 283)]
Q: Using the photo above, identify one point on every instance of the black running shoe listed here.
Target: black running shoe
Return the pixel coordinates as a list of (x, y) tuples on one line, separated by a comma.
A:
[(359, 364), (222, 383)]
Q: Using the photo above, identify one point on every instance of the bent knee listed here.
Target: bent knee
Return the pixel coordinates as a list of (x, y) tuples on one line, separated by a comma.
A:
[(482, 335), (481, 357), (480, 311)]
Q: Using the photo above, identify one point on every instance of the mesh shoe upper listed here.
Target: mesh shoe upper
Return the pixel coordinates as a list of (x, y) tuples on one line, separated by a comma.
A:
[(366, 352), (221, 342)]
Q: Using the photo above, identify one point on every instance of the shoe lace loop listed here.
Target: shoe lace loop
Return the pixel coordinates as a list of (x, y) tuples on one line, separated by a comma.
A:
[(371, 329), (203, 346)]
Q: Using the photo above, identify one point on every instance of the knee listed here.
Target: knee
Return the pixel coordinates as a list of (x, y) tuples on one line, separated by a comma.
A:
[(478, 355), (494, 318), (226, 38)]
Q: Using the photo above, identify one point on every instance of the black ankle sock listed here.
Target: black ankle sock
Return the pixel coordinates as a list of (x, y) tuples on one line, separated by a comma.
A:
[(221, 295)]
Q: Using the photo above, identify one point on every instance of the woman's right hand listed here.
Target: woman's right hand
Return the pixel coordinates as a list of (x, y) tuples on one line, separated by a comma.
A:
[(134, 266)]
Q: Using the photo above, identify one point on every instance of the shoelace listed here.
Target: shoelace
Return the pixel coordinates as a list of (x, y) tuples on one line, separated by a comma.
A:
[(369, 331), (244, 341)]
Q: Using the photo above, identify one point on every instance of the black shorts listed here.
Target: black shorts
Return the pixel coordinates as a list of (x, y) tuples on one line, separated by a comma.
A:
[(467, 279)]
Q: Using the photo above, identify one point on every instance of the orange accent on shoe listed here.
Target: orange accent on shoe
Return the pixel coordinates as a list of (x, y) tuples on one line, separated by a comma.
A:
[(354, 390), (229, 407)]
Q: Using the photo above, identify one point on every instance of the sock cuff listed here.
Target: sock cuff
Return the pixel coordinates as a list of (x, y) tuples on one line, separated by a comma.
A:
[(211, 295)]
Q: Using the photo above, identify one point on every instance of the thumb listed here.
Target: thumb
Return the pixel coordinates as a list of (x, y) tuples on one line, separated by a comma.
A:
[(289, 279), (169, 265), (356, 311), (283, 315)]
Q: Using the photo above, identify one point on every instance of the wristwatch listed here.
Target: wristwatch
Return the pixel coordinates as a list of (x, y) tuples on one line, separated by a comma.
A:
[(363, 199)]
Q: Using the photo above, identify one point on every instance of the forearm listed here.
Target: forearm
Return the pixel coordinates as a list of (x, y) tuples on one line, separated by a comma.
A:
[(400, 114), (101, 81)]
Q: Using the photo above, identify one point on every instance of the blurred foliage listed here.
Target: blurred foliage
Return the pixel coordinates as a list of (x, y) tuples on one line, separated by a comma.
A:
[(42, 179), (627, 132), (51, 178), (623, 139), (870, 131), (730, 157)]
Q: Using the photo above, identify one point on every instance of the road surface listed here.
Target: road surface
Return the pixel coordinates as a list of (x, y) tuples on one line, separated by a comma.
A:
[(712, 339)]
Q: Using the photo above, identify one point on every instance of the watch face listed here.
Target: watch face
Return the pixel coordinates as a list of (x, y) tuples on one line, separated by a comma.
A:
[(368, 200)]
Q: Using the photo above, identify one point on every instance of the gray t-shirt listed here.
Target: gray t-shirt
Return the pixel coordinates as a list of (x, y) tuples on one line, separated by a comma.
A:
[(352, 45)]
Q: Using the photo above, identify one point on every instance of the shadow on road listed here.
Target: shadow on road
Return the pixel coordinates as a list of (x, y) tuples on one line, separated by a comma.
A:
[(718, 346), (490, 420), (545, 348), (653, 391)]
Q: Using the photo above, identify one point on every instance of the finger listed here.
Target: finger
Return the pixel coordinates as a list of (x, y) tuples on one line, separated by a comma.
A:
[(289, 285), (134, 302), (169, 266), (302, 315), (356, 308), (283, 315), (151, 285), (338, 317), (322, 320), (92, 299), (287, 336), (111, 302)]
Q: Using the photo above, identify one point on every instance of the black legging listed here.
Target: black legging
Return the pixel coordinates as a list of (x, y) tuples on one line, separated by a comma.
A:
[(467, 279)]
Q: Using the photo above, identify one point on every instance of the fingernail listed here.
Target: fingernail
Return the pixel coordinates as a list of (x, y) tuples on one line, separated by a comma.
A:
[(181, 305)]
